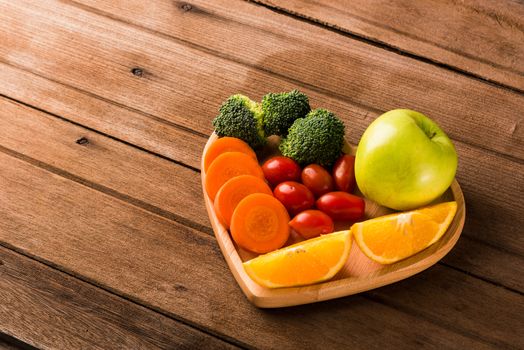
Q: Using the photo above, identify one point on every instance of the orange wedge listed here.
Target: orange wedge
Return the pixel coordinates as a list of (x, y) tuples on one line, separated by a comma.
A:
[(307, 262), (388, 239)]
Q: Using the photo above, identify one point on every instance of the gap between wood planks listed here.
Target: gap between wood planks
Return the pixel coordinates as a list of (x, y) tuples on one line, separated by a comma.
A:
[(381, 44), (203, 329), (8, 342), (115, 103), (155, 209), (180, 127), (106, 190), (481, 278), (93, 284), (294, 81)]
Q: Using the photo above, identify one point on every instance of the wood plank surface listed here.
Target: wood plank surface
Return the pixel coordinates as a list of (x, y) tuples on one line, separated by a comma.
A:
[(156, 184), (375, 80), (488, 229), (174, 192), (49, 309), (486, 262), (485, 38), (181, 271), (153, 75), (452, 298), (490, 185), (119, 121)]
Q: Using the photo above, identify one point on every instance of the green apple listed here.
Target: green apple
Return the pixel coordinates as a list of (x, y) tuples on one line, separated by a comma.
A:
[(404, 160)]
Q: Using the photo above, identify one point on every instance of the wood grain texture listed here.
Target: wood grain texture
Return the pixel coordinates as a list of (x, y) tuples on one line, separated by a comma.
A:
[(352, 78), (181, 271), (119, 121), (79, 66), (104, 164), (111, 166), (87, 81), (48, 309), (487, 262), (482, 37), (359, 272), (437, 300), (487, 182)]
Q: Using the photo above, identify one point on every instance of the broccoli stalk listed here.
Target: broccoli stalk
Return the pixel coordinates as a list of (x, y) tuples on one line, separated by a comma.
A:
[(318, 138), (281, 110), (242, 118)]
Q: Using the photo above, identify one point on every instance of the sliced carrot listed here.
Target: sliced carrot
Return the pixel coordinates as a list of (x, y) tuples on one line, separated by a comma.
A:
[(226, 144), (260, 223), (233, 191), (228, 165)]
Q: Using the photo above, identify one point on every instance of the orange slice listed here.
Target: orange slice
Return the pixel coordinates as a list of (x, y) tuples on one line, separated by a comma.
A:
[(388, 239), (307, 262)]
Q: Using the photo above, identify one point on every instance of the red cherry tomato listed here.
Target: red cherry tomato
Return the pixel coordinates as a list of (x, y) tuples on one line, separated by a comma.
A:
[(279, 169), (344, 173), (312, 223), (342, 206), (295, 196), (317, 179)]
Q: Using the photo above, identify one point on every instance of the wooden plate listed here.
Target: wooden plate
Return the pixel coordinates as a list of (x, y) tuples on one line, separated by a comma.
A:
[(358, 275)]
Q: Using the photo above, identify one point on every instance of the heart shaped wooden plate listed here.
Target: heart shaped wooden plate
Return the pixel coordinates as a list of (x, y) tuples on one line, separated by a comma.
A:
[(358, 275)]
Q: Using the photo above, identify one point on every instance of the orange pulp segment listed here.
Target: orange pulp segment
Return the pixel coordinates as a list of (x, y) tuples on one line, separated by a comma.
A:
[(388, 239), (307, 262)]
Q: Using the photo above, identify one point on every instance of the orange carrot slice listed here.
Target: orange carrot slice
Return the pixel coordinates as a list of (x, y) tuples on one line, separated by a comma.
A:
[(260, 223), (226, 144), (233, 191), (228, 165)]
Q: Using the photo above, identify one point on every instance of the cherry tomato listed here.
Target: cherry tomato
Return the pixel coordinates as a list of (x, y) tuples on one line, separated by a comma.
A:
[(279, 169), (317, 179), (342, 206), (295, 196), (344, 173), (312, 223)]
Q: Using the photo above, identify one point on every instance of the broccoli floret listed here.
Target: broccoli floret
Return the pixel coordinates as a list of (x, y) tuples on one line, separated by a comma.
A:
[(318, 138), (242, 118), (281, 110)]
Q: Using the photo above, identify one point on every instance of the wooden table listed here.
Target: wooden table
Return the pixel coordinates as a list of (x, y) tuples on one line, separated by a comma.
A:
[(106, 105)]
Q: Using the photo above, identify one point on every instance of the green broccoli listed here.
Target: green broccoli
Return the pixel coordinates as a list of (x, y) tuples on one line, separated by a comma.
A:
[(281, 110), (242, 118), (318, 138)]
